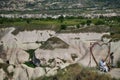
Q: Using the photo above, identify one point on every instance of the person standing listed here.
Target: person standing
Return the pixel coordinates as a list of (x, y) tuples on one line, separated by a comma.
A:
[(111, 59)]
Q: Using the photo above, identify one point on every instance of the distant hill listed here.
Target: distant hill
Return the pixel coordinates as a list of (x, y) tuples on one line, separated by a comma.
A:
[(55, 4), (107, 3)]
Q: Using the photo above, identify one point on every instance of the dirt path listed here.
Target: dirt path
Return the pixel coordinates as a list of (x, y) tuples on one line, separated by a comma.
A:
[(115, 72)]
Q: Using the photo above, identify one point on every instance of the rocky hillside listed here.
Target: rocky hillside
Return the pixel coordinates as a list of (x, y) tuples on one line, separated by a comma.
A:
[(32, 54), (55, 4)]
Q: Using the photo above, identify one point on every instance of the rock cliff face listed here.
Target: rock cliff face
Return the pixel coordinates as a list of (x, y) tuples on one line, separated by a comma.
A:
[(19, 62)]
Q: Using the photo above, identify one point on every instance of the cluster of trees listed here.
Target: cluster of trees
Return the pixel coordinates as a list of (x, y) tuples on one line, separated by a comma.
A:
[(11, 20), (82, 20)]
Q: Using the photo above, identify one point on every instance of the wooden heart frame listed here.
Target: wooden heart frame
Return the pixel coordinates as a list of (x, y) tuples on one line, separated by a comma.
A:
[(91, 50)]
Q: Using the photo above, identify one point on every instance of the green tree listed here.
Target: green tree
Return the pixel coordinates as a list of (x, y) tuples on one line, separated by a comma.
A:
[(63, 27), (1, 21), (61, 18), (88, 22), (78, 26), (82, 22), (28, 21), (99, 22)]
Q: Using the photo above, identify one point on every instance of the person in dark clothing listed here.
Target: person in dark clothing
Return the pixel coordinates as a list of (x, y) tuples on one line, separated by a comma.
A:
[(111, 59), (35, 61)]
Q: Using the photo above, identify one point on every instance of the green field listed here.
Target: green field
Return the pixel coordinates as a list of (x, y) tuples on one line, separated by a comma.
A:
[(65, 24)]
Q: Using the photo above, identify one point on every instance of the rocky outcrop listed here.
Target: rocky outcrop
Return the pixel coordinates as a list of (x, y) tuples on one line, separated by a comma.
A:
[(38, 72), (76, 50), (10, 68), (53, 43), (52, 72), (1, 61), (20, 73), (2, 74)]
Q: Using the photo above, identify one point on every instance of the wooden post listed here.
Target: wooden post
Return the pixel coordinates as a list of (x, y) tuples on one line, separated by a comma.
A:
[(91, 46)]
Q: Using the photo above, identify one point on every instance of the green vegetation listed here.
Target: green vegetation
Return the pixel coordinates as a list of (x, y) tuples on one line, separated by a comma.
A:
[(31, 53), (88, 22), (118, 63), (99, 22), (4, 66), (77, 72), (63, 24), (30, 64), (63, 27), (61, 19), (78, 26)]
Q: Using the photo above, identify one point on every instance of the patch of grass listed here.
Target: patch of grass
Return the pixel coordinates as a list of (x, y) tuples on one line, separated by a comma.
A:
[(77, 72), (4, 66), (114, 37), (30, 64), (118, 63), (31, 53), (22, 24)]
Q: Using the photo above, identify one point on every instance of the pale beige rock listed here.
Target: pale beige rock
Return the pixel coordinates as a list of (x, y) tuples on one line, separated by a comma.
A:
[(52, 71), (17, 56), (1, 61), (64, 65), (14, 45), (20, 73), (35, 35), (29, 71), (10, 68), (2, 74), (23, 75), (38, 72), (115, 73), (47, 69), (22, 56), (115, 48), (16, 73)]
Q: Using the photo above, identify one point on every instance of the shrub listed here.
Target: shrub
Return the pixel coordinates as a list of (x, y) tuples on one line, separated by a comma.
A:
[(63, 27), (30, 64), (88, 22), (118, 63), (61, 18), (99, 22), (77, 72), (31, 53), (83, 22), (78, 26)]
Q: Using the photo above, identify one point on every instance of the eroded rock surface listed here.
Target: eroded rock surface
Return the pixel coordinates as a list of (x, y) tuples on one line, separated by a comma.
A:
[(77, 51)]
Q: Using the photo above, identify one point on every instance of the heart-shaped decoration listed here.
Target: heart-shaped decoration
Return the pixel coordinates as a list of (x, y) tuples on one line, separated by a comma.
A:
[(99, 51)]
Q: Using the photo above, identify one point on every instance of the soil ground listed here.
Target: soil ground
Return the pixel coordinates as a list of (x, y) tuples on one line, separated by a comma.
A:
[(115, 72)]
